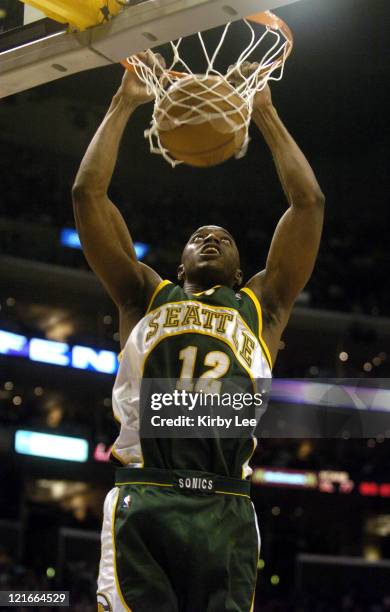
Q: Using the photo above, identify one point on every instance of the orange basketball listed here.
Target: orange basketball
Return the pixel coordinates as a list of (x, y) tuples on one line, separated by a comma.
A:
[(211, 137)]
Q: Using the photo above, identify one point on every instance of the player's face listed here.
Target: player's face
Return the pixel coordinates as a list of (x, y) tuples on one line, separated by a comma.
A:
[(211, 256)]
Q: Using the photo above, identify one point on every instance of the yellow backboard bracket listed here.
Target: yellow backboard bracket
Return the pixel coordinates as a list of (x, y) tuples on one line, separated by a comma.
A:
[(79, 15)]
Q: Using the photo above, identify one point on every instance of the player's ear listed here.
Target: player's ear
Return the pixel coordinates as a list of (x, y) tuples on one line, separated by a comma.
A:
[(180, 273), (238, 278)]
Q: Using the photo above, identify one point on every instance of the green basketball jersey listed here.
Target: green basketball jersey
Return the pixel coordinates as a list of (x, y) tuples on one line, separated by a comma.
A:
[(207, 337)]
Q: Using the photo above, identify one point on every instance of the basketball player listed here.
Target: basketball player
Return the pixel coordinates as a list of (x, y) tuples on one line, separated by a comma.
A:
[(179, 530)]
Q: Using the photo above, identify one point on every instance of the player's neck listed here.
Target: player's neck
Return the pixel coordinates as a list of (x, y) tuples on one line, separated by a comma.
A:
[(193, 288)]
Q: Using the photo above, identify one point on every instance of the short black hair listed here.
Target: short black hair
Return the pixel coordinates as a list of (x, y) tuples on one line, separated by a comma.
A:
[(212, 226)]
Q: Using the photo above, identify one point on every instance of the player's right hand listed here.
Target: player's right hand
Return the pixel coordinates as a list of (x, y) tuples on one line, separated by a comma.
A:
[(134, 88)]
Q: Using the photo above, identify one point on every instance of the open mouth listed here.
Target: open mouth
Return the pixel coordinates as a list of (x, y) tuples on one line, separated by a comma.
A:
[(210, 250)]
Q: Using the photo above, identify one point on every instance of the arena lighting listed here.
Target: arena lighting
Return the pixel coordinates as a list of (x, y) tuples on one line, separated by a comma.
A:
[(368, 489), (326, 481), (330, 481), (285, 478), (70, 238), (102, 453), (58, 353), (374, 489), (53, 447)]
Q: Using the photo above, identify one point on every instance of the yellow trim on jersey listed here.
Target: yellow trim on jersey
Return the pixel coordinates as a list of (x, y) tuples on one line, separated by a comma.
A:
[(246, 462), (236, 494), (205, 291), (118, 588), (115, 454), (253, 599), (101, 594), (257, 304), (202, 333), (157, 290)]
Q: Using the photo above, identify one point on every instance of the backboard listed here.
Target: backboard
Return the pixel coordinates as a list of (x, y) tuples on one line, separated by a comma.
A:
[(35, 50)]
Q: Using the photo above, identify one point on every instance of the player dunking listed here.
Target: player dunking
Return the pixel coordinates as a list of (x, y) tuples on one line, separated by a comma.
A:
[(165, 548)]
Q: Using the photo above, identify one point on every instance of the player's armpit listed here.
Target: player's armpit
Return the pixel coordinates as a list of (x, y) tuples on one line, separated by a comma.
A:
[(291, 258), (110, 252)]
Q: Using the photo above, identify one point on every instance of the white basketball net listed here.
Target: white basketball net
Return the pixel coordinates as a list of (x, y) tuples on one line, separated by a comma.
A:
[(161, 81)]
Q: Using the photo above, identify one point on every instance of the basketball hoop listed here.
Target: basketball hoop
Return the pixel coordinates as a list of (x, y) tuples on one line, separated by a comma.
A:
[(165, 82)]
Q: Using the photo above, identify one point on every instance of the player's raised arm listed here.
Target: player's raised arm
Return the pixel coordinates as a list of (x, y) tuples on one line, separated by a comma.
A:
[(106, 241), (295, 244)]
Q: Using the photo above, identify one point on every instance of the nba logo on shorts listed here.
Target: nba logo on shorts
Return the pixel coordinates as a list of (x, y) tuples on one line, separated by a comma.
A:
[(103, 605), (126, 502)]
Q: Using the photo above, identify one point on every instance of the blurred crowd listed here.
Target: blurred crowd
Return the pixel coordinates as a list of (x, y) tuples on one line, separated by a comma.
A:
[(81, 582), (19, 577), (349, 274)]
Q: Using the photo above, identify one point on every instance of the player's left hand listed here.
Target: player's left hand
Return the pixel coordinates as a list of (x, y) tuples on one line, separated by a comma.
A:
[(263, 97)]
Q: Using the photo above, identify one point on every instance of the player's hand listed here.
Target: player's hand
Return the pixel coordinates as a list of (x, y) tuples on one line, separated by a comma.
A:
[(132, 88), (263, 97)]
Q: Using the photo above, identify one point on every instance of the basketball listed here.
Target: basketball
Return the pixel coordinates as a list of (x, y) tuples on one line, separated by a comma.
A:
[(202, 121)]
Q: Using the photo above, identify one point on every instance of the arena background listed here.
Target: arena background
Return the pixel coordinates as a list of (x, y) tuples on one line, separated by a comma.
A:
[(323, 503)]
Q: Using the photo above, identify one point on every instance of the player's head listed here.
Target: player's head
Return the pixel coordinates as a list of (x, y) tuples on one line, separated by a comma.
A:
[(211, 257)]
